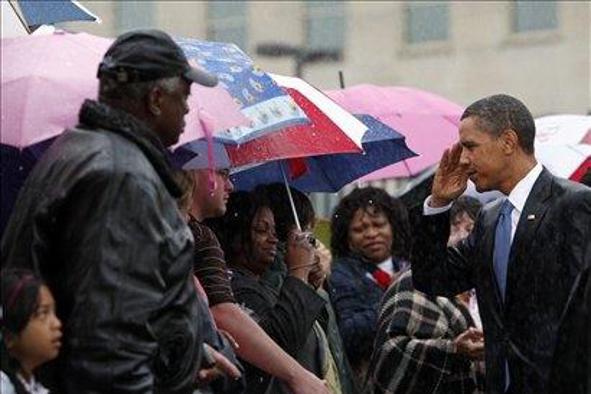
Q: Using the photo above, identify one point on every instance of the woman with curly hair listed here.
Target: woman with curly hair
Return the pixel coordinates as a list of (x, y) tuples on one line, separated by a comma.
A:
[(370, 239), (287, 314)]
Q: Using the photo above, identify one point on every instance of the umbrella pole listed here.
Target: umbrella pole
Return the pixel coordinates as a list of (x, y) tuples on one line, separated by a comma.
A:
[(293, 208), (341, 79)]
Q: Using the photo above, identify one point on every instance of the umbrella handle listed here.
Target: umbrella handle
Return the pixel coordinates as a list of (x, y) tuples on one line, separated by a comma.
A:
[(293, 208)]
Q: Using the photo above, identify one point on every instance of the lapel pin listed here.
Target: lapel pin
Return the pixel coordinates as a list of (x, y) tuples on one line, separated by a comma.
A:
[(531, 217)]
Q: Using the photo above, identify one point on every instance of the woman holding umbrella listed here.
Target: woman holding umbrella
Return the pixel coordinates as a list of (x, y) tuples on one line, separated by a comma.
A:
[(247, 235)]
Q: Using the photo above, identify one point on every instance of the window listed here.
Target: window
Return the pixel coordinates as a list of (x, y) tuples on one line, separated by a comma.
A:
[(227, 22), (427, 22), (325, 25), (534, 15), (134, 15)]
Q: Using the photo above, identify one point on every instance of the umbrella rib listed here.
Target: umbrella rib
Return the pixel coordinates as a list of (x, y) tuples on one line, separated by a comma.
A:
[(333, 185), (407, 168), (13, 6)]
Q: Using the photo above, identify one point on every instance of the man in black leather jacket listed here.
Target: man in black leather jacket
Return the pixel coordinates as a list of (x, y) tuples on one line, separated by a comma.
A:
[(97, 218)]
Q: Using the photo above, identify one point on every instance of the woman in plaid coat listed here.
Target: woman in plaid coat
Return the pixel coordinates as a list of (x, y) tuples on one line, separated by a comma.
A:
[(424, 344)]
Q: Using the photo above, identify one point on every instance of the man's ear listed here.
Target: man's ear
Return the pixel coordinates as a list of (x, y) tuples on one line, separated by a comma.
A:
[(510, 141), (155, 101)]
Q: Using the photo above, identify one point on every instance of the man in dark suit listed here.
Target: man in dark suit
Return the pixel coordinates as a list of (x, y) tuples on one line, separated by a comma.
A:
[(527, 252)]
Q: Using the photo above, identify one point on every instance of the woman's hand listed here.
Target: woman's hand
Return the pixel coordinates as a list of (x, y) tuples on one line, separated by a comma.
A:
[(320, 271), (470, 343), (300, 254)]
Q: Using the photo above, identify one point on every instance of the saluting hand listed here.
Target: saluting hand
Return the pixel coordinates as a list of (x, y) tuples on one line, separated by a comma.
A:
[(451, 177)]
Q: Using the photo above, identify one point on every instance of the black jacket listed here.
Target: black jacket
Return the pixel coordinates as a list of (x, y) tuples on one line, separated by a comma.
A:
[(97, 218), (287, 316), (549, 251)]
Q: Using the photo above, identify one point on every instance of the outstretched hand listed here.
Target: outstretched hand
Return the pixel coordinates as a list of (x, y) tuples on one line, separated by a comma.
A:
[(470, 343), (451, 177), (219, 367)]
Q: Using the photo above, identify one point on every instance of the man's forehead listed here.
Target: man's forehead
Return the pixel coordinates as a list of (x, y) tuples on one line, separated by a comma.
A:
[(470, 131)]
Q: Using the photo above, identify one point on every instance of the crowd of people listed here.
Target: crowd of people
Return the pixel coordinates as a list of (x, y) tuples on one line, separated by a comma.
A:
[(123, 274)]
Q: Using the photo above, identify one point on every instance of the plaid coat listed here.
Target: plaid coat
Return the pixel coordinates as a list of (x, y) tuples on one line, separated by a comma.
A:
[(413, 350)]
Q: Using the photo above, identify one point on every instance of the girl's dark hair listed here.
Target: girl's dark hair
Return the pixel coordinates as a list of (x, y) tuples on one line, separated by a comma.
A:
[(233, 229), (365, 198), (20, 300), (467, 204), (278, 199)]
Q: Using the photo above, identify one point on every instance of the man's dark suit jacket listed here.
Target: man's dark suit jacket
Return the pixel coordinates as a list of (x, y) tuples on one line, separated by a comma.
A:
[(548, 254)]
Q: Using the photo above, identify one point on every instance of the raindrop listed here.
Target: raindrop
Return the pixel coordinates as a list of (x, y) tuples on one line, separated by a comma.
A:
[(20, 168)]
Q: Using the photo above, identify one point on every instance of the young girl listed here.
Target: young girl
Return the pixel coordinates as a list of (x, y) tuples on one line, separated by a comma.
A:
[(30, 331)]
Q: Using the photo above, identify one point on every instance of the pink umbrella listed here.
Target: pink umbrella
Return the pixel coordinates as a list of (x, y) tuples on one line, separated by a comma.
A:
[(46, 78), (429, 122)]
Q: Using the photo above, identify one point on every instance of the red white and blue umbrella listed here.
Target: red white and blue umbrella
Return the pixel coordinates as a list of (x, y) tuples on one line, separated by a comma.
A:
[(382, 146), (330, 129)]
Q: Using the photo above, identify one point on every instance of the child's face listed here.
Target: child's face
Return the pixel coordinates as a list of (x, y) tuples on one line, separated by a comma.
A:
[(40, 340)]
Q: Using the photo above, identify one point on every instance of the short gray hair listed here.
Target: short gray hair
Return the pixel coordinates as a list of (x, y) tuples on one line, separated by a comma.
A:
[(110, 89)]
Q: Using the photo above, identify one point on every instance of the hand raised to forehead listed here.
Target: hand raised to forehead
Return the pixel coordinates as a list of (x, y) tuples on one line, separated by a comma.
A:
[(451, 177)]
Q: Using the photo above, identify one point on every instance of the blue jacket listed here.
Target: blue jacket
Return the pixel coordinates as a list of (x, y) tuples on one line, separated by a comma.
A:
[(356, 299)]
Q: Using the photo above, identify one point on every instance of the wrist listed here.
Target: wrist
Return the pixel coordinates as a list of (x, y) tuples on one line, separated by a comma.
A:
[(300, 273), (454, 347), (295, 376)]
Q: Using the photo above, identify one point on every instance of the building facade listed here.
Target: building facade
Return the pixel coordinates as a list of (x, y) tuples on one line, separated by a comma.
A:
[(538, 51)]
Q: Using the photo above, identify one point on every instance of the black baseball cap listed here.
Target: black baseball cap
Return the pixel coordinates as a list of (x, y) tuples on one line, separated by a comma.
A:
[(147, 55)]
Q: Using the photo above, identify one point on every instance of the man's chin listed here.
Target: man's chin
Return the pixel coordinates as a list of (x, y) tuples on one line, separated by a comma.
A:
[(480, 188), (170, 142)]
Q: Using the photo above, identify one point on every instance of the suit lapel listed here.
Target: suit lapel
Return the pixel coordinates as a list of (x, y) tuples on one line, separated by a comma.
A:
[(529, 222)]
